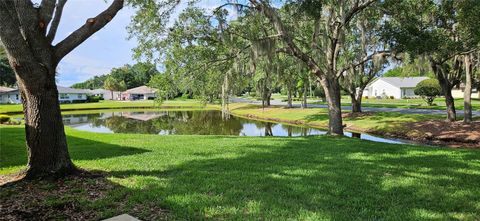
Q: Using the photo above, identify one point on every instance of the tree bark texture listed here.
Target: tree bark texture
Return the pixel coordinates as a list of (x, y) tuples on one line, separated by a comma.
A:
[(467, 96), (332, 92), (446, 86), (28, 43)]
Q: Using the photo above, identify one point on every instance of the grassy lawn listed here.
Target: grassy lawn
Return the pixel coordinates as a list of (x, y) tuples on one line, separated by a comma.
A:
[(315, 117), (439, 103), (106, 104), (258, 178)]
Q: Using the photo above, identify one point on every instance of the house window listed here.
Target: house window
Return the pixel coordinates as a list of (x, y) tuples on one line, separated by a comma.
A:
[(79, 96), (16, 96), (64, 96)]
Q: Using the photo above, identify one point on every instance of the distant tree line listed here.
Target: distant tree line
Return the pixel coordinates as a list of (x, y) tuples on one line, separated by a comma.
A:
[(7, 76), (132, 75)]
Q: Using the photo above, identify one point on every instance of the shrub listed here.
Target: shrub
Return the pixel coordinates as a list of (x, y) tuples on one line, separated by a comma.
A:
[(366, 97), (428, 89), (93, 99), (319, 92), (392, 97), (4, 118)]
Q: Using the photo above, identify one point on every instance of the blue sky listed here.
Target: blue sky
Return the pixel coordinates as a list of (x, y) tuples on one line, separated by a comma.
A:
[(106, 49)]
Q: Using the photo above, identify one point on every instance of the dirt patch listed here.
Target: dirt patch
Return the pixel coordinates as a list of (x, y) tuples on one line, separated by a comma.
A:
[(70, 198), (453, 134)]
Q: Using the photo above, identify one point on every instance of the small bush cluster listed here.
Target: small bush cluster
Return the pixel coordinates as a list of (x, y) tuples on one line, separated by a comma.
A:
[(93, 99), (428, 89), (4, 119)]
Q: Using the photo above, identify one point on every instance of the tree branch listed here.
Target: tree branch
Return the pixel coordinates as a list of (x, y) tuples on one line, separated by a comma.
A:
[(272, 15), (56, 20), (357, 8), (364, 60), (88, 29), (46, 11)]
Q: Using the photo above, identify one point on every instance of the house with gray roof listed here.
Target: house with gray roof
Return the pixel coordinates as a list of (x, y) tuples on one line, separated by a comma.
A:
[(139, 93), (397, 87), (106, 94), (65, 95), (9, 96)]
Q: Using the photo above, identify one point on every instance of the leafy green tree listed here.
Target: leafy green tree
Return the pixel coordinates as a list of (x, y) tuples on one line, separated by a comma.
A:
[(442, 31), (135, 75), (199, 52), (368, 53), (315, 33), (7, 75), (114, 84), (411, 67), (428, 89), (165, 86), (92, 83)]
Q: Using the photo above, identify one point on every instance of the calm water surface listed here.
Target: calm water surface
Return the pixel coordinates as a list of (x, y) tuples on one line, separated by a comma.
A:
[(189, 122)]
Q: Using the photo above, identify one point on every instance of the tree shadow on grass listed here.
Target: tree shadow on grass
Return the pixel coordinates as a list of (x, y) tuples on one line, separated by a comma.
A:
[(337, 181), (13, 145), (316, 117), (310, 178)]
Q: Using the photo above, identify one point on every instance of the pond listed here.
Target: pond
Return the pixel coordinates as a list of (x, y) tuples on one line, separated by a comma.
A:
[(201, 122)]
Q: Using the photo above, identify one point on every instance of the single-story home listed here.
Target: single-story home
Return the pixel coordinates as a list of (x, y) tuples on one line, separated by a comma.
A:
[(106, 94), (65, 95), (70, 95), (9, 96), (458, 92), (397, 87), (139, 93)]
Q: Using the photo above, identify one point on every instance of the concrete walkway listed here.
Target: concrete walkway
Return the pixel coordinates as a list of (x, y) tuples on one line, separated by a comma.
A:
[(366, 109)]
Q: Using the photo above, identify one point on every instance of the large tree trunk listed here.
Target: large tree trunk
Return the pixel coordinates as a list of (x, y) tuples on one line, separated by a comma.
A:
[(447, 92), (304, 97), (269, 97), (289, 94), (46, 141), (357, 100), (332, 92), (23, 32), (467, 96), (356, 104), (450, 102)]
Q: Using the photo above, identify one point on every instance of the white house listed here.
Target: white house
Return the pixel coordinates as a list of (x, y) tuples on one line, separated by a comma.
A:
[(139, 93), (9, 96), (458, 92), (396, 87), (71, 95), (106, 94), (65, 95)]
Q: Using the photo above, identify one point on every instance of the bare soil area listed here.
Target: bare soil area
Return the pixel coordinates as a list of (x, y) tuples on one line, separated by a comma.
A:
[(456, 134)]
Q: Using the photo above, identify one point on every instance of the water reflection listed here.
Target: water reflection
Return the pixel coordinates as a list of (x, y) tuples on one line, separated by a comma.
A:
[(181, 122), (192, 122)]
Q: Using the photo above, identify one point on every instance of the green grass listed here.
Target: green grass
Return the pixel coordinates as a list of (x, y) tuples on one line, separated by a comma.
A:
[(261, 178), (17, 108), (439, 103), (418, 103), (382, 122)]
